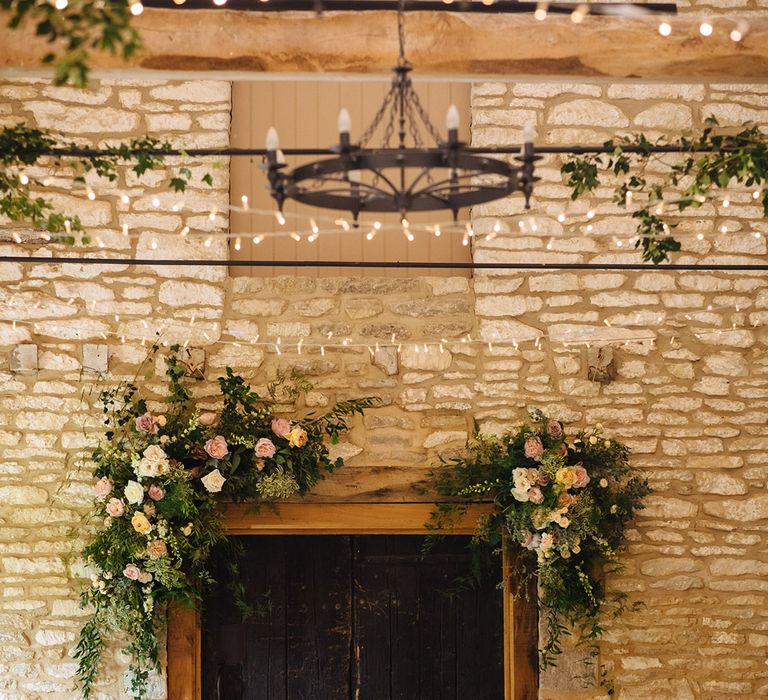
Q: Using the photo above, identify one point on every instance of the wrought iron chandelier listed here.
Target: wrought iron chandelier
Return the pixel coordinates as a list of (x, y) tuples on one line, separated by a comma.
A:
[(405, 178)]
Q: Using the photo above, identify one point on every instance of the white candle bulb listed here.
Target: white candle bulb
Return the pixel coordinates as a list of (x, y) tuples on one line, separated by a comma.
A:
[(345, 122), (280, 156), (452, 118), (528, 133), (273, 142)]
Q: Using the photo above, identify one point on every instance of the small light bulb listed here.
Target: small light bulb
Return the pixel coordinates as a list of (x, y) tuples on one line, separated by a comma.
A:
[(219, 3), (700, 236), (91, 195), (244, 200), (24, 180), (561, 217), (237, 243), (136, 9), (377, 225), (705, 28), (726, 203), (61, 4), (665, 29), (756, 194), (296, 237), (208, 242), (541, 12), (155, 202), (590, 214), (280, 218), (124, 198), (736, 35)]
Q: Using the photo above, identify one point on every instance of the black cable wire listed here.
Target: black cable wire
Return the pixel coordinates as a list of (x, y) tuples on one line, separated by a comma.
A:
[(386, 264)]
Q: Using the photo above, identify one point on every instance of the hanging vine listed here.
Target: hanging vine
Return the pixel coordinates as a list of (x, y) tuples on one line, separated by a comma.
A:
[(711, 161), (22, 147)]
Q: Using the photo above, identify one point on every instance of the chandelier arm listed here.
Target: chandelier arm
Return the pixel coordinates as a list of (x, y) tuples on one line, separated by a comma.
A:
[(449, 182), (424, 172)]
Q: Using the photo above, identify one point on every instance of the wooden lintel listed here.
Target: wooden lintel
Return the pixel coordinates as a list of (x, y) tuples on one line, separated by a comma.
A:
[(342, 518), (438, 43)]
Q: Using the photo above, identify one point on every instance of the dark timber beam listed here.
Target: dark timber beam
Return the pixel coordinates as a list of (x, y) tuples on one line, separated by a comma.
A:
[(242, 44)]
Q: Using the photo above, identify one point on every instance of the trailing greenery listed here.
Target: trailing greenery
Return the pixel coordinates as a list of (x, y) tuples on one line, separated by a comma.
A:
[(79, 28), (22, 196), (566, 500), (160, 477), (713, 160)]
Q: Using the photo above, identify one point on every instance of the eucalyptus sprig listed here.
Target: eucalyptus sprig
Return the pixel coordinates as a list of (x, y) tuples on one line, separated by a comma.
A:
[(20, 195), (80, 27), (712, 160)]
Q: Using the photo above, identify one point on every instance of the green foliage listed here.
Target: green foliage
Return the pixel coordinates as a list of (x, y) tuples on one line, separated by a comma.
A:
[(83, 26), (161, 477), (566, 500), (711, 161), (23, 146)]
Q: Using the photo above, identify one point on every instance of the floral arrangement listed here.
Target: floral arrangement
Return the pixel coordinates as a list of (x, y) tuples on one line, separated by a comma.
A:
[(566, 500), (160, 476)]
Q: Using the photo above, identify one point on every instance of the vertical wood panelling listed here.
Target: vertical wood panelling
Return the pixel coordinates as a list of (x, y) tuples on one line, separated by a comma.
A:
[(305, 114)]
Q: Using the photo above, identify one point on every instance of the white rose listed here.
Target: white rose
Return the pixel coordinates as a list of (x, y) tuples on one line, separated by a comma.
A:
[(155, 453), (134, 493), (152, 468), (520, 494), (213, 481)]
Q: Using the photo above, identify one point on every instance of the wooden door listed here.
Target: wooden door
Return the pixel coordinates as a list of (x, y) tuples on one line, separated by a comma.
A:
[(355, 618)]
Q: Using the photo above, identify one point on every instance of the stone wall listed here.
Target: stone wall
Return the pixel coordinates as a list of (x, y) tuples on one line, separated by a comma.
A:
[(689, 394)]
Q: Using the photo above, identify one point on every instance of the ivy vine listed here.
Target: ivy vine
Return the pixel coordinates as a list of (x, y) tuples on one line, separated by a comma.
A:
[(81, 26), (713, 160), (22, 146)]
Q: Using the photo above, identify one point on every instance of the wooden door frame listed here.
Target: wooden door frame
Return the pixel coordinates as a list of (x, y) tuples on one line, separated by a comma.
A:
[(521, 677)]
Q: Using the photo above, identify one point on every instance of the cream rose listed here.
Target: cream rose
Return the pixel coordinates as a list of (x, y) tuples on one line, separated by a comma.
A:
[(565, 476), (134, 492), (213, 481), (154, 462), (141, 524)]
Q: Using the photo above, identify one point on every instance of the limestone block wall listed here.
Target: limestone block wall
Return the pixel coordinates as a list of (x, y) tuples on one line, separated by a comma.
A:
[(690, 394)]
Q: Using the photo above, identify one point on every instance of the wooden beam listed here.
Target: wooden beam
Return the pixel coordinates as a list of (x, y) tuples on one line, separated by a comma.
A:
[(438, 43), (184, 663)]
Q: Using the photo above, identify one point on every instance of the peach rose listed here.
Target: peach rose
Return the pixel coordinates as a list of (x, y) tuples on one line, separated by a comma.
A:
[(103, 488), (259, 464), (157, 549), (533, 448), (297, 437), (155, 492), (564, 500), (265, 448), (281, 427), (149, 509), (140, 523), (132, 572), (581, 477), (535, 495), (146, 423), (115, 507), (217, 447), (207, 419), (145, 577)]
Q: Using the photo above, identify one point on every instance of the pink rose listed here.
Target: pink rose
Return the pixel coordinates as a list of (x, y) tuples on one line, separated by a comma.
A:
[(208, 418), (530, 540), (265, 448), (132, 572), (533, 448), (146, 423), (115, 507), (157, 549), (535, 495), (582, 478), (543, 479), (217, 447), (281, 427), (155, 492), (562, 450), (554, 429), (103, 487)]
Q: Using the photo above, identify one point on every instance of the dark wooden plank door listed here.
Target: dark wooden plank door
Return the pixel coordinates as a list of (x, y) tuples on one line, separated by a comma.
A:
[(354, 618)]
